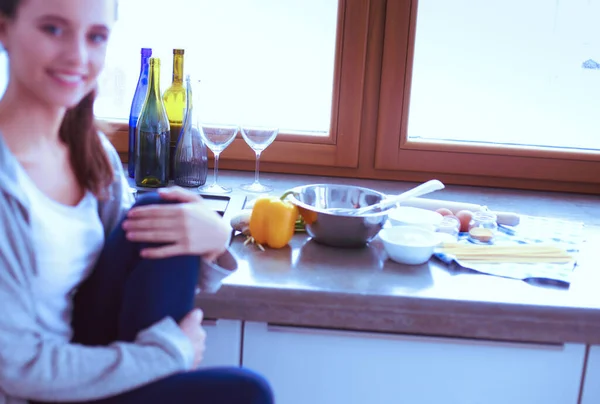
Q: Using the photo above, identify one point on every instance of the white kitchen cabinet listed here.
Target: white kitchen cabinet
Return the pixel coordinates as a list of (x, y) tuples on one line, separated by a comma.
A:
[(223, 343), (591, 386), (326, 366)]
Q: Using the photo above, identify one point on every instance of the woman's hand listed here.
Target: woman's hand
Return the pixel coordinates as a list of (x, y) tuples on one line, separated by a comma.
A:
[(188, 228), (191, 325)]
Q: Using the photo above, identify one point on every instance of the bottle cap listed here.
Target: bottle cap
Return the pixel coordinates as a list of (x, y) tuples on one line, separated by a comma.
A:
[(178, 51), (154, 61), (147, 52)]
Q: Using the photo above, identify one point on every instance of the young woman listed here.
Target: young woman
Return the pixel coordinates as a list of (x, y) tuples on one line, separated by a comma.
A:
[(97, 298)]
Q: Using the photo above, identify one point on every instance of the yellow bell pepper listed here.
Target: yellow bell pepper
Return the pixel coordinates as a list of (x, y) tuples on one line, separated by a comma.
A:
[(273, 221)]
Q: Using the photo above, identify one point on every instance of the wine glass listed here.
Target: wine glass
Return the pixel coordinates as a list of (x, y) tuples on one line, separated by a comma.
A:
[(258, 138), (217, 138)]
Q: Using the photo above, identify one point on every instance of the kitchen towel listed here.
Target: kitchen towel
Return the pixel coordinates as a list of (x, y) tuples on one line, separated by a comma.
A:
[(531, 230)]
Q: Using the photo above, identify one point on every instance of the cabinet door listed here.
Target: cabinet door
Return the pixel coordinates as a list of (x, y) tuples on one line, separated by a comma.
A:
[(325, 366), (591, 386), (223, 343)]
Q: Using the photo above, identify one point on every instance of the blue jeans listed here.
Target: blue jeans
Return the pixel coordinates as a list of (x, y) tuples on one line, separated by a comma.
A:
[(126, 294)]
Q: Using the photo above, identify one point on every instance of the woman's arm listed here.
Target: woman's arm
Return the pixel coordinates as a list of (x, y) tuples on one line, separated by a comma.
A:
[(213, 271), (35, 367)]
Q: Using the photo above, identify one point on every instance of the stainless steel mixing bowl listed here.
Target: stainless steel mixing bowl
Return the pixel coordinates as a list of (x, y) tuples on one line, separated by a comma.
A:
[(336, 229)]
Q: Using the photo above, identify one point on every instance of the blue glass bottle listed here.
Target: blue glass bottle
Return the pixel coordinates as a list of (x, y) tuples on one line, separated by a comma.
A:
[(136, 107)]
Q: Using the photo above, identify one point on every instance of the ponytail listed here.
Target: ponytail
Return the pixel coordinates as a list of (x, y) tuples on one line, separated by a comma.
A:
[(89, 160)]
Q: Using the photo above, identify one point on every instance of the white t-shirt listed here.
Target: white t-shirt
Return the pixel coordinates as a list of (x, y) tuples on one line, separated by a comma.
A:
[(67, 241)]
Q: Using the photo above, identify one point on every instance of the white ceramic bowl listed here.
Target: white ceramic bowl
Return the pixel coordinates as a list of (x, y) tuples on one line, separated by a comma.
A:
[(409, 244), (409, 216)]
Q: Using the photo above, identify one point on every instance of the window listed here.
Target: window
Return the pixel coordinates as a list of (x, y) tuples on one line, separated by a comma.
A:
[(266, 62), (299, 64), (492, 93), (509, 72)]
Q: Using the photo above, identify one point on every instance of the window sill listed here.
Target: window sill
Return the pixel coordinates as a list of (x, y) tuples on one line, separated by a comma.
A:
[(313, 160)]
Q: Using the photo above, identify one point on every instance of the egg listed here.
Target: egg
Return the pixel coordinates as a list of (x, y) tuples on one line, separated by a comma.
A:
[(444, 211), (464, 216)]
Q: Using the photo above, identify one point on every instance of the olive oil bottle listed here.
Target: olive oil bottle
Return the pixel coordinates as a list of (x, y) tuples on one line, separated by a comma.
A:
[(152, 135), (174, 99)]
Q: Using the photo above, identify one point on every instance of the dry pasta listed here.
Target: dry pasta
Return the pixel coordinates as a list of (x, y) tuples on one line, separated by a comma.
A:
[(508, 254)]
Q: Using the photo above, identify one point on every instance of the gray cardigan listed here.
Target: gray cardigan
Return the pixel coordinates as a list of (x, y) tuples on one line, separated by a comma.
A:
[(34, 367)]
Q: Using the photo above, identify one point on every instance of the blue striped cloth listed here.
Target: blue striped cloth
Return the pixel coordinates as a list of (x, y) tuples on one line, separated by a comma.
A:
[(531, 230)]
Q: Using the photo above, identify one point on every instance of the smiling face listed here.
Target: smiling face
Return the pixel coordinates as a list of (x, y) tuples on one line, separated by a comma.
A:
[(57, 48)]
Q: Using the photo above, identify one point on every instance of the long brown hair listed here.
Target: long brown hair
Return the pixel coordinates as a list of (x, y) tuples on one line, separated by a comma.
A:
[(79, 131)]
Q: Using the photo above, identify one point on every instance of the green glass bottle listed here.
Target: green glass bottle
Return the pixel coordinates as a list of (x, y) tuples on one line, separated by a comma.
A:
[(174, 99), (152, 136)]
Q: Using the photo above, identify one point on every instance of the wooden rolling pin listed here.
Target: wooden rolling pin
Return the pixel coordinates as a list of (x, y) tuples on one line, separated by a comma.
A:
[(505, 218)]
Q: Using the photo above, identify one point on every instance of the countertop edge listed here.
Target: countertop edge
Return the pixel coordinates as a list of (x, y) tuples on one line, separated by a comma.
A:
[(405, 315)]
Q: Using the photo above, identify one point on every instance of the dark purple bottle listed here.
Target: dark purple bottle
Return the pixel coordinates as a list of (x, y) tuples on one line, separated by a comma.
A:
[(136, 106)]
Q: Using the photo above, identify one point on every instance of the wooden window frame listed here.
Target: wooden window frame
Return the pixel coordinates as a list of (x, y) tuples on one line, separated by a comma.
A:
[(528, 167), (340, 147), (368, 137)]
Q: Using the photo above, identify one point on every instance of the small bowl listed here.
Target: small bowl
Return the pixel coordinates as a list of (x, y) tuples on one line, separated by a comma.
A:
[(409, 216), (409, 244), (333, 229)]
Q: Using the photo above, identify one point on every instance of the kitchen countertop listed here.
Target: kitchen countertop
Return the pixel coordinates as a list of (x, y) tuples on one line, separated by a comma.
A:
[(307, 284)]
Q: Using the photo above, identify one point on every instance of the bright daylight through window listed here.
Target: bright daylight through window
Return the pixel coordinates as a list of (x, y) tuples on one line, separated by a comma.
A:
[(512, 72), (261, 62)]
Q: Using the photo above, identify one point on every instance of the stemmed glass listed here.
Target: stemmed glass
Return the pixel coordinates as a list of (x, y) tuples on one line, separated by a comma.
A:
[(258, 138), (217, 138)]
